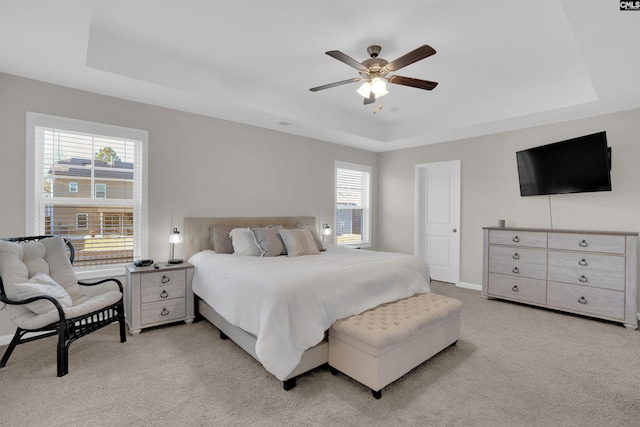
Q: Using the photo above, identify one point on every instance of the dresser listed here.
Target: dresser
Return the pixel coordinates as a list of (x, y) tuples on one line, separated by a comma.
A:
[(156, 296), (591, 273)]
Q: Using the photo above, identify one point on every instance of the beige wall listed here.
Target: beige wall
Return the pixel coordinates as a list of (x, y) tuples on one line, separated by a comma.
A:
[(198, 166), (490, 189)]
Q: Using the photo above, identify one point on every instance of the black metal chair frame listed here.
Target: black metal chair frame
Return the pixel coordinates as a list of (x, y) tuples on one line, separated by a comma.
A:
[(67, 330)]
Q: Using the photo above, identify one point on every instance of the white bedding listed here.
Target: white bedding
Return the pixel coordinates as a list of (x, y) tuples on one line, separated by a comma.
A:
[(289, 303)]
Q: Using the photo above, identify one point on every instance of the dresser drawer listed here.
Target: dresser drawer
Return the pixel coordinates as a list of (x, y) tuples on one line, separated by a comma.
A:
[(518, 269), (587, 261), (518, 238), (163, 311), (517, 288), (530, 256), (595, 278), (587, 242), (162, 285), (585, 300)]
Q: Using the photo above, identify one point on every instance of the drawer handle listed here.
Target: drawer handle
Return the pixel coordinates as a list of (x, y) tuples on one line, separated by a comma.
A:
[(516, 256), (582, 262), (164, 312), (515, 270), (164, 294), (165, 279), (583, 279), (516, 239), (514, 288), (583, 244), (582, 300)]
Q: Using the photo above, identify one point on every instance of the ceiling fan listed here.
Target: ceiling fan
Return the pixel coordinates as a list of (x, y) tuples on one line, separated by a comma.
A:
[(376, 71)]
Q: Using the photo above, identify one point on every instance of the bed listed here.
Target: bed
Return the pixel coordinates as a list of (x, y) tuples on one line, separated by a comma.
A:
[(278, 308)]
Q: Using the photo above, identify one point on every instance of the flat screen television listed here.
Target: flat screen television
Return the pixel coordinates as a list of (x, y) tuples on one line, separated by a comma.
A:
[(576, 165)]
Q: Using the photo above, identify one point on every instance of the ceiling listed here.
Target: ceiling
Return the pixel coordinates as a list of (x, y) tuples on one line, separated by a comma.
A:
[(500, 65)]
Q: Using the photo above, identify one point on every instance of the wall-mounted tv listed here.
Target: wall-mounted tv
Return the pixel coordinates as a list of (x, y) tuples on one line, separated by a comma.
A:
[(576, 165)]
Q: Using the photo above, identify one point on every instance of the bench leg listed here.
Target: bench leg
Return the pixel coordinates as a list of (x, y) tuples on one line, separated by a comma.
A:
[(377, 394), (453, 344), (333, 370)]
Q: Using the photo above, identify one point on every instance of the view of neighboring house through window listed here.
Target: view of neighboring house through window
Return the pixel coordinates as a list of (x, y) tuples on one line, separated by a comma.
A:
[(88, 187), (353, 205)]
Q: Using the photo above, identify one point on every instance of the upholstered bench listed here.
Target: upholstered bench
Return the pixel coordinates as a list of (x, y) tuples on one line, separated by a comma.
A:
[(380, 345)]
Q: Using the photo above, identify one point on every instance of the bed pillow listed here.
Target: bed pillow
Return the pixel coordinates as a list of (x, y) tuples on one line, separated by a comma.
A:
[(42, 284), (221, 240), (316, 238), (244, 242), (299, 241), (269, 240)]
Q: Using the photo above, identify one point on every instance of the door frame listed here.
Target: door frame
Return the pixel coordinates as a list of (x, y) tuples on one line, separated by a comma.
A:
[(419, 228)]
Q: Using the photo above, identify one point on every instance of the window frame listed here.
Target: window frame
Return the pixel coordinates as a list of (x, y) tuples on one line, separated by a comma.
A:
[(33, 228), (367, 210)]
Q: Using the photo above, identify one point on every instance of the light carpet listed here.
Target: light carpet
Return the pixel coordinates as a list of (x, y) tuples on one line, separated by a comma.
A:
[(513, 366)]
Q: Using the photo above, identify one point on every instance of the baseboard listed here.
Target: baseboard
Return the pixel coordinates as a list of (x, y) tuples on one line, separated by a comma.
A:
[(6, 339), (470, 286)]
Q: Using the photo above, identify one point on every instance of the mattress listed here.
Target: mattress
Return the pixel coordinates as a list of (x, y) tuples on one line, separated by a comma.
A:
[(289, 302)]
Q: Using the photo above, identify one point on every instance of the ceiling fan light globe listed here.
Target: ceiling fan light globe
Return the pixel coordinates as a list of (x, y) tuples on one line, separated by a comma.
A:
[(365, 89), (378, 86), (381, 94)]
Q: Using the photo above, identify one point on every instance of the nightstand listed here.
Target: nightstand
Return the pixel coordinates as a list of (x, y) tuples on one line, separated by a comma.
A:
[(156, 296)]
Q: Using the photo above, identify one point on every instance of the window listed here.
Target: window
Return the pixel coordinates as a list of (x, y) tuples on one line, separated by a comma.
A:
[(101, 191), (353, 205), (82, 220), (87, 182)]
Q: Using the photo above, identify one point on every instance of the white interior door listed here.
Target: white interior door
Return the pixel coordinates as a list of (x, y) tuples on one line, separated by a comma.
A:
[(438, 218)]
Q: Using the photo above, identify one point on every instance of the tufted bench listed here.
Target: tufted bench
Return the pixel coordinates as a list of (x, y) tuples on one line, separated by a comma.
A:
[(380, 345)]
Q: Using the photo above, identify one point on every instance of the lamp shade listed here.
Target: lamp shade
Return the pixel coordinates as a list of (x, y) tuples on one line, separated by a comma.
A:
[(175, 236), (326, 230)]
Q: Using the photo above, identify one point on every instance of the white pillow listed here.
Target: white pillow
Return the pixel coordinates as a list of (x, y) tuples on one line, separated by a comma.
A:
[(42, 284), (299, 241), (244, 242)]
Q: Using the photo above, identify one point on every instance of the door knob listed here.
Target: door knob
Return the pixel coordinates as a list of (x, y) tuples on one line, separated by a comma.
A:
[(455, 230)]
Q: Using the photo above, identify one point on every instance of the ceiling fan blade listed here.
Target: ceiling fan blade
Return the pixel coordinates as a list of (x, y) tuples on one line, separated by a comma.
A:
[(371, 99), (415, 55), (347, 60), (330, 85), (408, 81)]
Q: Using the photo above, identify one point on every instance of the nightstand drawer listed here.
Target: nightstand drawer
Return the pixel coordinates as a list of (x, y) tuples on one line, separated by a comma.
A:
[(162, 286), (163, 311), (582, 299)]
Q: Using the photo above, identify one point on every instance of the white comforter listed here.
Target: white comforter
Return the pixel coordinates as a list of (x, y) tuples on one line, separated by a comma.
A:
[(288, 303)]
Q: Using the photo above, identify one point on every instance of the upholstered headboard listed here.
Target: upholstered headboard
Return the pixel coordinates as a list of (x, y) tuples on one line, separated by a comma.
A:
[(197, 230)]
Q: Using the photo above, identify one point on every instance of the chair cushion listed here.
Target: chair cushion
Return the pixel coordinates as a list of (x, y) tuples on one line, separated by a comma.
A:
[(42, 284), (19, 262), (26, 319)]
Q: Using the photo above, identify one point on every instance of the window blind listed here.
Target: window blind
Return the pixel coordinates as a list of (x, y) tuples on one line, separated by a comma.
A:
[(353, 204), (88, 189)]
